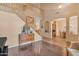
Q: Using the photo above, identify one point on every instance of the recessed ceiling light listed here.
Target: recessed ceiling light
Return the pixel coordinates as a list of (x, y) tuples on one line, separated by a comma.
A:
[(60, 6)]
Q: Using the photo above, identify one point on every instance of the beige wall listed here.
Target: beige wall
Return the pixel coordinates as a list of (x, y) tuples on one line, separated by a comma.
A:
[(13, 24), (10, 26)]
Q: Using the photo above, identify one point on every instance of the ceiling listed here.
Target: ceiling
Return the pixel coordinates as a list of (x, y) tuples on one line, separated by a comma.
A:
[(49, 8), (37, 5), (44, 6)]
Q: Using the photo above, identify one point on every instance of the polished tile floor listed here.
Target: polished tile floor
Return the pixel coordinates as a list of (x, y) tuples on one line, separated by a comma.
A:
[(52, 47)]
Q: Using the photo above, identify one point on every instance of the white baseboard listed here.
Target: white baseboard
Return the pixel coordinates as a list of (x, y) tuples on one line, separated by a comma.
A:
[(25, 43), (13, 46)]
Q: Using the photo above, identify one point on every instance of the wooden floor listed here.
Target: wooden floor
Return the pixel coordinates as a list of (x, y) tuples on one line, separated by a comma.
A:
[(54, 47), (57, 41)]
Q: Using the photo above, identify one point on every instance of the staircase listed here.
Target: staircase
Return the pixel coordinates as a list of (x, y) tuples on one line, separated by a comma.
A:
[(18, 10), (33, 26)]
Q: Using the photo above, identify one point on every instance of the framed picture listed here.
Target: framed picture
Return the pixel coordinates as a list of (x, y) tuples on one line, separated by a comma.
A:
[(30, 20)]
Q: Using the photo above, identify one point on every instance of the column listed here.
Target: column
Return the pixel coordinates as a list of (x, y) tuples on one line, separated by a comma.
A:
[(67, 28), (78, 27)]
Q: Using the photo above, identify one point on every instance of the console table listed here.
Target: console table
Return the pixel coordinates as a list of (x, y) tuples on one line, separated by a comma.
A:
[(25, 38)]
